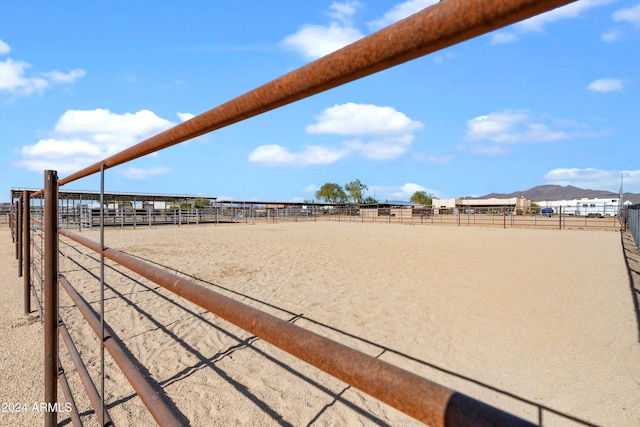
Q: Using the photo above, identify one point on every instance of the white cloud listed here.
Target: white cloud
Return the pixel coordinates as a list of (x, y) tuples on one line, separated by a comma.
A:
[(605, 85), (503, 37), (4, 47), (384, 133), (595, 179), (439, 58), (537, 23), (572, 10), (83, 137), (142, 173), (629, 14), (14, 78), (381, 149), (60, 77), (185, 116), (401, 11), (401, 193), (311, 155), (406, 191), (343, 11), (611, 36), (316, 41), (362, 119), (509, 127)]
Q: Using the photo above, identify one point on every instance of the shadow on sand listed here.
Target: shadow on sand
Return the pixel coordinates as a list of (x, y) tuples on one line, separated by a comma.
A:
[(632, 260)]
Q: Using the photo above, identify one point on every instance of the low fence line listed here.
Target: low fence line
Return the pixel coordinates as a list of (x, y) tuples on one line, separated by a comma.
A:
[(422, 399), (499, 216)]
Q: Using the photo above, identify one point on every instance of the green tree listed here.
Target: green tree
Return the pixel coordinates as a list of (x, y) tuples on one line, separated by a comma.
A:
[(201, 202), (331, 193), (355, 190), (421, 198), (369, 200)]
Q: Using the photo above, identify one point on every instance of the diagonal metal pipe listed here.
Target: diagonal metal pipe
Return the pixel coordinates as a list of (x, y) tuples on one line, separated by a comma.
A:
[(437, 27), (83, 373)]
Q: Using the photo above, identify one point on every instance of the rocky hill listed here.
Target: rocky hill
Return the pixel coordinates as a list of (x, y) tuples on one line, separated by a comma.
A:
[(559, 192)]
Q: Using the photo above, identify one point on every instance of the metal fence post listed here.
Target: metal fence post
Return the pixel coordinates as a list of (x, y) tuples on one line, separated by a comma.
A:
[(26, 250), (50, 276), (560, 218), (19, 236)]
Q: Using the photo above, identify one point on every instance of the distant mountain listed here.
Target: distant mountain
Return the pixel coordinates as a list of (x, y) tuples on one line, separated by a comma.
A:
[(559, 192)]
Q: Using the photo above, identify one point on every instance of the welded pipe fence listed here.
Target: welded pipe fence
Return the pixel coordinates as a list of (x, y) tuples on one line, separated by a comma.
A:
[(437, 27), (566, 217), (631, 221)]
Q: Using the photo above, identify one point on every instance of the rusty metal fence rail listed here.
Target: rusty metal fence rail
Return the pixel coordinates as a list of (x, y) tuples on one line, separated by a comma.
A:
[(437, 27)]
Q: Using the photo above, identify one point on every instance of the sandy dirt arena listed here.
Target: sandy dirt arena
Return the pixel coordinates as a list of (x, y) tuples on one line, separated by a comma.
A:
[(540, 323)]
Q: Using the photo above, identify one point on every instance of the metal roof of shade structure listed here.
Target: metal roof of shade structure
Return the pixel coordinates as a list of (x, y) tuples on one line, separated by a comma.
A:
[(16, 193)]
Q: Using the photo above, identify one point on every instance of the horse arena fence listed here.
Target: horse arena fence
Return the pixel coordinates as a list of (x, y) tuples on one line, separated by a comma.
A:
[(630, 219), (39, 219)]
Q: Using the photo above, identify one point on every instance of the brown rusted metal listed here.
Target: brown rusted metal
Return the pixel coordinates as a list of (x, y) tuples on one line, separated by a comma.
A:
[(38, 276), (68, 396), (83, 373), (418, 397), (37, 300), (19, 236), (37, 247), (11, 214), (437, 27), (154, 402), (50, 278), (26, 250)]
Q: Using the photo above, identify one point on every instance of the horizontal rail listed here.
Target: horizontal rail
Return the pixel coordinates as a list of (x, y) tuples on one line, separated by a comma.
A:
[(418, 397), (437, 27), (83, 373), (156, 405), (66, 390)]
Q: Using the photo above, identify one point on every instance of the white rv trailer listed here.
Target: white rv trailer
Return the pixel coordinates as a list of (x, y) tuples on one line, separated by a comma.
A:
[(584, 207)]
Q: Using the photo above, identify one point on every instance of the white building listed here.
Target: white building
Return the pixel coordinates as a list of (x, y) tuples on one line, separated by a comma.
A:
[(584, 207), (516, 204)]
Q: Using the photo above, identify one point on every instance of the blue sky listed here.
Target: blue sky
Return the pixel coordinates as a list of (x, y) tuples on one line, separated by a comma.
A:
[(551, 100)]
